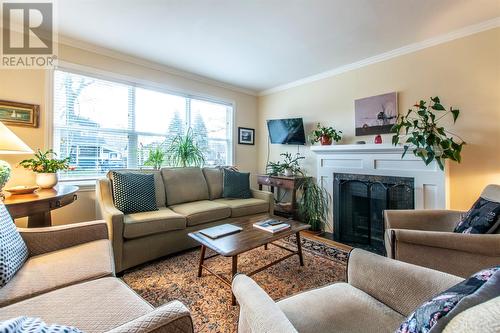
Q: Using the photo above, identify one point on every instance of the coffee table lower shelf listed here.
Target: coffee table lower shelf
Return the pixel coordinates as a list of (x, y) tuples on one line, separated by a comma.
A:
[(234, 269)]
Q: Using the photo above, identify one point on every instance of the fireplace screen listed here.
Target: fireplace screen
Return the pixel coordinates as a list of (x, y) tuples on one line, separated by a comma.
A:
[(359, 202)]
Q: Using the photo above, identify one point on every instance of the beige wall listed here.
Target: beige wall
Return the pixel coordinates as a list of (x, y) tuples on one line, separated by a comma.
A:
[(31, 86), (464, 73)]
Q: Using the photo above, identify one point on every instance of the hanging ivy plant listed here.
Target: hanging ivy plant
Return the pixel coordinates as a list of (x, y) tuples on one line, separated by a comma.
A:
[(427, 139)]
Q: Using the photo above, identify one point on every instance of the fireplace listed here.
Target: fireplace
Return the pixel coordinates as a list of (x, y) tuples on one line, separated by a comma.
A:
[(358, 204)]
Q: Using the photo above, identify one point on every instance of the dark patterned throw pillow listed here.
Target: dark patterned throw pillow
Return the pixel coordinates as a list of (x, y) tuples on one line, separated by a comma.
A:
[(13, 250), (133, 192), (435, 314), (236, 184), (482, 218)]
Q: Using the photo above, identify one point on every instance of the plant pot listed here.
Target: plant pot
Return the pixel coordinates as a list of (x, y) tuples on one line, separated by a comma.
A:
[(325, 140), (46, 180), (288, 173)]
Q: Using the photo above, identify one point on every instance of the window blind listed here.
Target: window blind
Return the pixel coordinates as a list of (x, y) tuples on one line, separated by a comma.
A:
[(103, 125)]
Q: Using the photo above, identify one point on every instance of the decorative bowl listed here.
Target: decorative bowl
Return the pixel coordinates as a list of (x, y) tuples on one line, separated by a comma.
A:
[(21, 189)]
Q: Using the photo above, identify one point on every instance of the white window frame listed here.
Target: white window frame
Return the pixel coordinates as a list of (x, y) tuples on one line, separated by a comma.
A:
[(138, 83)]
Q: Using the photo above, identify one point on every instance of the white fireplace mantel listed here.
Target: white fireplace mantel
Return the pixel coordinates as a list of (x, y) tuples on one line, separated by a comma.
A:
[(384, 160)]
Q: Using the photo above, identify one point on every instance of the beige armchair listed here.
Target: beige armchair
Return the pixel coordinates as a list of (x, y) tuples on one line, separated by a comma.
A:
[(426, 238), (378, 297), (68, 279)]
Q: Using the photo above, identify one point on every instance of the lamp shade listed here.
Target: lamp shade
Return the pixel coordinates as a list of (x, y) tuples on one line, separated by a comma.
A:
[(10, 143)]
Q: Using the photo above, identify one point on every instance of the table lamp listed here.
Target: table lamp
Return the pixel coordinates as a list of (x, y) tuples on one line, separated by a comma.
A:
[(9, 144)]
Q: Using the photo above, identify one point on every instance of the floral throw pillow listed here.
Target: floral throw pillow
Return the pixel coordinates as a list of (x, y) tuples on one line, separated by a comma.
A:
[(482, 218), (435, 314)]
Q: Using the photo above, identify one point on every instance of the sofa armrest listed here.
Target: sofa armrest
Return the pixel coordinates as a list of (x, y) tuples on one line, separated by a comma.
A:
[(488, 245), (264, 195), (401, 286), (258, 312), (422, 219), (113, 217), (44, 240), (173, 317)]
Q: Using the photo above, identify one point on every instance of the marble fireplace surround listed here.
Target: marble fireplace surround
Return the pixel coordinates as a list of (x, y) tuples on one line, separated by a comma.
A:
[(431, 183)]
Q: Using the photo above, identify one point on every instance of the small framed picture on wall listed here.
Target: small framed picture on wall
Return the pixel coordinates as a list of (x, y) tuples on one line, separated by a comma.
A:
[(246, 136)]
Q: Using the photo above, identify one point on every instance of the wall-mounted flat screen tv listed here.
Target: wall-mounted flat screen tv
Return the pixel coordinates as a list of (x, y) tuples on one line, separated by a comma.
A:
[(287, 131)]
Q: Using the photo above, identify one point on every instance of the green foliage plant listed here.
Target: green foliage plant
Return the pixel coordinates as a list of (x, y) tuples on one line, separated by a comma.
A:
[(44, 162), (313, 204), (156, 157), (326, 132), (289, 162), (185, 151), (425, 136)]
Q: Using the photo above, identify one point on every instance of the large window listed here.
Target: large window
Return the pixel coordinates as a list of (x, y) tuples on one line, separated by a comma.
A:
[(103, 125)]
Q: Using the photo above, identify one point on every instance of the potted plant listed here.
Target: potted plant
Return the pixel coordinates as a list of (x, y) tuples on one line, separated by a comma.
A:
[(325, 135), (427, 139), (46, 167), (313, 205), (288, 167), (184, 151), (156, 158)]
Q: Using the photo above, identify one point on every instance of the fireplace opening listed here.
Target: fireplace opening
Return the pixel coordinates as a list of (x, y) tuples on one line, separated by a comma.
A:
[(358, 205)]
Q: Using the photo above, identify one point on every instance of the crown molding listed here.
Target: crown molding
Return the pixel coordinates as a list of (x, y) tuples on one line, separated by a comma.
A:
[(460, 33), (64, 40)]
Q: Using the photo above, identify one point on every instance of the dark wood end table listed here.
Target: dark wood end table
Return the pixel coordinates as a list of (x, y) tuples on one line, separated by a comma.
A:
[(38, 205), (248, 239)]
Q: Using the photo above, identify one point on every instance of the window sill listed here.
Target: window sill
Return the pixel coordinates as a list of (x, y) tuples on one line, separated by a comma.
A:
[(84, 185)]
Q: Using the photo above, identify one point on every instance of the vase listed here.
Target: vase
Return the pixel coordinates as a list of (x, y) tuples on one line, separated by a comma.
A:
[(288, 173), (325, 140), (46, 180)]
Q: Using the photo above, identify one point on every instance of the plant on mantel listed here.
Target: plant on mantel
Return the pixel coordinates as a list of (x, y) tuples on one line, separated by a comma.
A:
[(325, 135), (425, 137)]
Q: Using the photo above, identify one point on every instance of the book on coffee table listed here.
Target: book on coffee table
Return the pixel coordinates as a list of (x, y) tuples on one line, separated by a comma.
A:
[(271, 225), (220, 231)]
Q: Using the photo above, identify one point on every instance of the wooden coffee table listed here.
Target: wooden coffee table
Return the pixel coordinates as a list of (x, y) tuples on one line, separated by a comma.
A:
[(247, 239)]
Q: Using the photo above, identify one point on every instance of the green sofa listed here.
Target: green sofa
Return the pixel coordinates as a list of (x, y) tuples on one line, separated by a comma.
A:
[(189, 199)]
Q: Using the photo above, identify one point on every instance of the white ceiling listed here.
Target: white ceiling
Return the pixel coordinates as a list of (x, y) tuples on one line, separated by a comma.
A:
[(260, 44)]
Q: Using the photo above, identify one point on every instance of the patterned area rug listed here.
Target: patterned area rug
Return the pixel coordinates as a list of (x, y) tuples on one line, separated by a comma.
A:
[(174, 278)]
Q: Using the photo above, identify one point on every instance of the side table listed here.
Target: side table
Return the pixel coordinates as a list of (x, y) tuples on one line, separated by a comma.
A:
[(38, 205)]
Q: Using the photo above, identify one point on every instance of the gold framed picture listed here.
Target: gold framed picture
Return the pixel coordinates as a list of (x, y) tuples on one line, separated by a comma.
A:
[(19, 114)]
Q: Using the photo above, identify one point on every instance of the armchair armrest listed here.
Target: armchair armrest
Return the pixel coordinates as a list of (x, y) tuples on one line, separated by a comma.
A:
[(264, 195), (258, 312), (422, 219), (172, 317), (43, 240), (488, 245), (399, 285)]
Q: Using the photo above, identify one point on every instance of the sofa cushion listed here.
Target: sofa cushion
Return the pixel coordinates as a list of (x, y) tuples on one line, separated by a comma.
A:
[(148, 223), (133, 192), (93, 306), (203, 211), (435, 314), (236, 184), (213, 176), (244, 207), (58, 269), (184, 185), (13, 250), (482, 218), (339, 302)]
